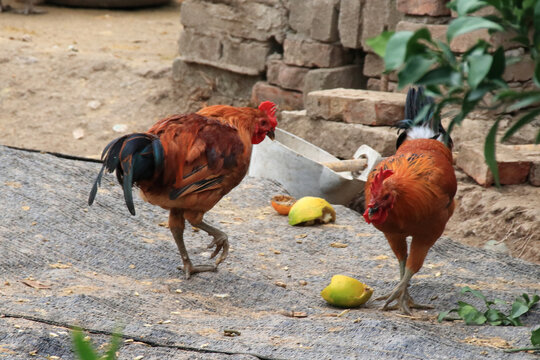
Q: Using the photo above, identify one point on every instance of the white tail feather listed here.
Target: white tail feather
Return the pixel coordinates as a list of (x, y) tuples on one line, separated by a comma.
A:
[(422, 132)]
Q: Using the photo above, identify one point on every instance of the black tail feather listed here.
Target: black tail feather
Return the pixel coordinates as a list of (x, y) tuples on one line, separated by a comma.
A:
[(416, 101), (135, 157)]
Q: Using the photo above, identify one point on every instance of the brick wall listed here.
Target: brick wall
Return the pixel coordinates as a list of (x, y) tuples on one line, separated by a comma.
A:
[(287, 48), (248, 51)]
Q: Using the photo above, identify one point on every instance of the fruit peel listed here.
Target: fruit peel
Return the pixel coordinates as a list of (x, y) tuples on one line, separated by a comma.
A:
[(347, 292), (282, 203), (310, 210)]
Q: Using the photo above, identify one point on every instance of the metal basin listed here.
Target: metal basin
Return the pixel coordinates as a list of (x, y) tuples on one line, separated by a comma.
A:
[(296, 164)]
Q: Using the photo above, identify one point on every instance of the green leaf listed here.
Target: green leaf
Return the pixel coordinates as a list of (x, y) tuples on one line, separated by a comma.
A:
[(536, 26), (447, 53), (439, 76), (489, 152), (404, 44), (535, 337), (470, 314), (476, 293), (396, 50), (414, 69), (498, 65), (536, 75), (379, 43), (524, 120), (444, 314), (114, 346), (465, 7), (525, 102), (494, 317), (467, 24), (518, 308), (83, 349)]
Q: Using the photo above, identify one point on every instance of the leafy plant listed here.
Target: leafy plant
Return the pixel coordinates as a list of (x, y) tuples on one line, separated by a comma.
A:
[(472, 316), (535, 341), (467, 80), (84, 350)]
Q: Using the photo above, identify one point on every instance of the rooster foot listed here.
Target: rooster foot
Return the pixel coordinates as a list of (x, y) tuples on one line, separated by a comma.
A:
[(404, 302), (220, 241), (190, 269), (400, 294)]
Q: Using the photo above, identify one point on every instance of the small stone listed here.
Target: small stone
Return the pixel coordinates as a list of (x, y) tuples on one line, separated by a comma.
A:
[(94, 104), (120, 128)]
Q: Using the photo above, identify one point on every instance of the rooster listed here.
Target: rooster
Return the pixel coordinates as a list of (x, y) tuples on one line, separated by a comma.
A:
[(412, 194), (186, 164)]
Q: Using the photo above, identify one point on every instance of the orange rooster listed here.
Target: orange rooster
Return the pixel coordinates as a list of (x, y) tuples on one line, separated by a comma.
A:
[(187, 163), (412, 194)]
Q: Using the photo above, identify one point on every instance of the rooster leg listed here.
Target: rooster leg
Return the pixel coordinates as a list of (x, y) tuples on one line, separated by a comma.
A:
[(400, 294), (220, 241), (176, 224), (188, 267)]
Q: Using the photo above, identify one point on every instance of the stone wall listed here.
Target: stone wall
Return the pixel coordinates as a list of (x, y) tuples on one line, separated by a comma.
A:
[(248, 51), (285, 49)]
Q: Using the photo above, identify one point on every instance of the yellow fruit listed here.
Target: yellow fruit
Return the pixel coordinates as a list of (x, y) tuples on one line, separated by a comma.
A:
[(345, 291), (309, 210)]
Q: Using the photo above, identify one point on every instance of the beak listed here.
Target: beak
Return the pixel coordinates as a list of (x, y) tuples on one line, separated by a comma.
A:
[(271, 134), (373, 210)]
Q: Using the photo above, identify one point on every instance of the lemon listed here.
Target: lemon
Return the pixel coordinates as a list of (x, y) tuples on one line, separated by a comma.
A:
[(345, 291), (309, 210)]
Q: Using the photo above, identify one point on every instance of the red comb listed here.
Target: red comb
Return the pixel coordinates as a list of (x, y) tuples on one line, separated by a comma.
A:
[(376, 185), (269, 109)]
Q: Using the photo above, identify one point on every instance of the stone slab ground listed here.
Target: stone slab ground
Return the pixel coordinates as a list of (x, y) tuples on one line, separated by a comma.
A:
[(99, 267)]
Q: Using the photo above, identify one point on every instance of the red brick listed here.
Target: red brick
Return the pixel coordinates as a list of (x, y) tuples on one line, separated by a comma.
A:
[(520, 71), (463, 42), (286, 76), (423, 7), (377, 16), (356, 106), (513, 167), (284, 99), (304, 52), (374, 84)]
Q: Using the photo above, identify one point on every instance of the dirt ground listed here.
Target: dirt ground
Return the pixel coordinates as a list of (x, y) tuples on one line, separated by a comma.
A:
[(73, 79)]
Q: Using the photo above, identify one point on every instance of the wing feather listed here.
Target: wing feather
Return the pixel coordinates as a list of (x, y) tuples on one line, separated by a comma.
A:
[(200, 153)]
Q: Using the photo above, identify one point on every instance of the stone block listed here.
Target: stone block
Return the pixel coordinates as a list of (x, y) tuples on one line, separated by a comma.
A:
[(460, 43), (374, 67), (340, 139), (530, 152), (286, 76), (284, 99), (224, 52), (211, 85), (324, 26), (348, 76), (244, 19), (356, 106), (423, 7), (378, 16), (317, 19), (303, 52), (350, 23), (520, 71), (513, 168), (301, 15), (374, 84)]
